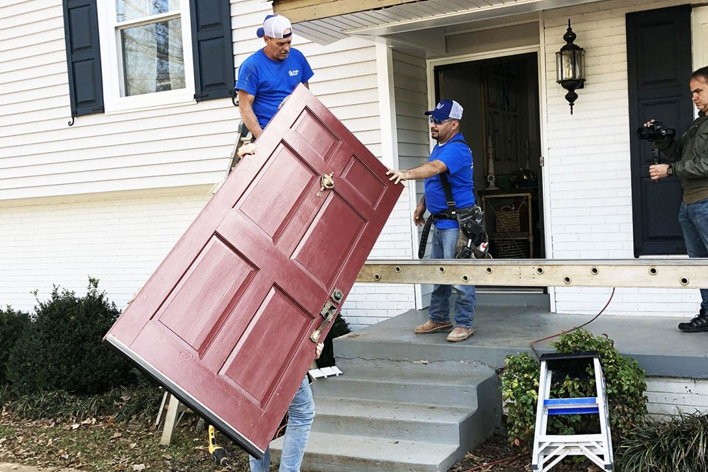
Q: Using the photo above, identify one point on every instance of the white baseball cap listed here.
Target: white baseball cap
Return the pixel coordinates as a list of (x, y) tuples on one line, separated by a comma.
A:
[(275, 26)]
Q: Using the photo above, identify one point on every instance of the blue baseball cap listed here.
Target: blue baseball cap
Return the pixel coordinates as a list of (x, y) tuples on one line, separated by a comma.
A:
[(446, 109), (275, 26)]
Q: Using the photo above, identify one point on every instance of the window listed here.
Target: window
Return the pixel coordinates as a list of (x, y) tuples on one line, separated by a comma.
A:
[(145, 61), (131, 54), (151, 46)]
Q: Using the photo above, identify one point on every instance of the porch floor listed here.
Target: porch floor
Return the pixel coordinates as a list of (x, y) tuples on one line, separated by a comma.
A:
[(507, 324)]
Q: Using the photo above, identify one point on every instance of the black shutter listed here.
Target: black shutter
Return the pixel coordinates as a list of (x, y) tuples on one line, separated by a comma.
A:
[(83, 55), (213, 50), (659, 68)]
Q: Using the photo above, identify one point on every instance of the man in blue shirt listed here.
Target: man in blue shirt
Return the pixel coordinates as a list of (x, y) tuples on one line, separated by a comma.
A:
[(265, 79), (269, 75), (450, 156)]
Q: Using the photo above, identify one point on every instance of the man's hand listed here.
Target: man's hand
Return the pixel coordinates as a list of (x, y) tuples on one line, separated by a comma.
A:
[(397, 175), (246, 150), (418, 216), (318, 350), (658, 171)]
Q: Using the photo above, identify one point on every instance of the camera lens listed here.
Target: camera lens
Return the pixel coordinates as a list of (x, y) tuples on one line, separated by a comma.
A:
[(645, 132)]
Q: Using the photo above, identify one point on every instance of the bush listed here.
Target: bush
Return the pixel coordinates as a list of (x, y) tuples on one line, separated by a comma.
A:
[(12, 325), (625, 391), (677, 445), (339, 328), (62, 350), (135, 402)]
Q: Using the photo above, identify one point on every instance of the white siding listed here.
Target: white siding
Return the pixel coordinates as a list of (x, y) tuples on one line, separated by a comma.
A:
[(588, 160), (411, 89), (670, 396), (42, 156), (119, 238)]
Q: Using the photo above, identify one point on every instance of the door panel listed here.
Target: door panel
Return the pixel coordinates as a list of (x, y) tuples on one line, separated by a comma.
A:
[(225, 321), (659, 67)]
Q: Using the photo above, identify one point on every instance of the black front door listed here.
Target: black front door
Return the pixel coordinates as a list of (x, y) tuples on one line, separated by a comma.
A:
[(659, 67)]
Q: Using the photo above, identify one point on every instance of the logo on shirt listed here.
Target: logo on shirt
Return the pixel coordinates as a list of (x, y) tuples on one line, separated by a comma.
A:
[(293, 73)]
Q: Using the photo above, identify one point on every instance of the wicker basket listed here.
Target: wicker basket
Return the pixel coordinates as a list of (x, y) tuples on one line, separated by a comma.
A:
[(510, 248), (508, 219)]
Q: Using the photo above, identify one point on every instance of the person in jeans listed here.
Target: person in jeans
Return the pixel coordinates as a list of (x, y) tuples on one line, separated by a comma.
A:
[(689, 162), (453, 157), (265, 79), (301, 413)]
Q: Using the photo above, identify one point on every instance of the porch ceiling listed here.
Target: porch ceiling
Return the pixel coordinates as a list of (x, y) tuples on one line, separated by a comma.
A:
[(329, 21)]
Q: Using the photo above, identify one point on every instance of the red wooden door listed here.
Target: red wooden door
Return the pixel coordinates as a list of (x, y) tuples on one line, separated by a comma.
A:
[(225, 322)]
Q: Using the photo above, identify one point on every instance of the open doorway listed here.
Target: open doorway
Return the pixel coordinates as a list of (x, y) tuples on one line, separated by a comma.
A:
[(501, 125), (500, 98)]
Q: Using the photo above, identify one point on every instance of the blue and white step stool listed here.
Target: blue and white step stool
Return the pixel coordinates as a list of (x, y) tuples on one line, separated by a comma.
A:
[(550, 449)]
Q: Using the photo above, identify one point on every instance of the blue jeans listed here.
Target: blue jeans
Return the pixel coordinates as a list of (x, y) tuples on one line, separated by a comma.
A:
[(301, 413), (444, 242), (694, 222)]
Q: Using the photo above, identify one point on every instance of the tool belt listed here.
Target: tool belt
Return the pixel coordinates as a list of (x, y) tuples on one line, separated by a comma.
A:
[(472, 239)]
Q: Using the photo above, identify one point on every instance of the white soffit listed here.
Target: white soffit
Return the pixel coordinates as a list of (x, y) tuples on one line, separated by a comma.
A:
[(418, 16)]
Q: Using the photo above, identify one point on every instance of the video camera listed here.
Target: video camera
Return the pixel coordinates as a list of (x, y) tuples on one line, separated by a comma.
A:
[(655, 131)]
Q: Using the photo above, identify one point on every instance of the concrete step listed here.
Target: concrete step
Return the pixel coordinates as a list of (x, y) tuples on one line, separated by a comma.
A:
[(406, 382), (349, 453), (391, 420), (419, 391)]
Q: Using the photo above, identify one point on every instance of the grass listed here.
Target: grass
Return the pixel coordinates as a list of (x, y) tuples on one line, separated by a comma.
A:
[(110, 432), (677, 445)]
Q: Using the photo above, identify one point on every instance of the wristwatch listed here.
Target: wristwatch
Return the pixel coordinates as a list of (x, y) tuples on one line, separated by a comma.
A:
[(670, 170)]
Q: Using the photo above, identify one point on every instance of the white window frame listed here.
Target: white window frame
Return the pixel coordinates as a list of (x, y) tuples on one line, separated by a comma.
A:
[(111, 62)]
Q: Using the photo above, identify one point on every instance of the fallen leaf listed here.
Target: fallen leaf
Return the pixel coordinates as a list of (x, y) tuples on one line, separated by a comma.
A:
[(139, 467), (116, 436)]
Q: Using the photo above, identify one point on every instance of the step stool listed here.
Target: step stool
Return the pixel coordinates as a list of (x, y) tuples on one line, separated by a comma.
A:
[(550, 449)]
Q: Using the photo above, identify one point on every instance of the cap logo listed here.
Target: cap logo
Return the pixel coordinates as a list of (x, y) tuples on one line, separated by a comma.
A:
[(440, 105)]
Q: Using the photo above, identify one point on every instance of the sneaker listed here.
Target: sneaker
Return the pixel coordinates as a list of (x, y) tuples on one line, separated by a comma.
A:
[(431, 327), (459, 334), (698, 324)]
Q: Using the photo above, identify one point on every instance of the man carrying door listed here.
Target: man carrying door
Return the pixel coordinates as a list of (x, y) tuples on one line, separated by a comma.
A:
[(265, 79), (270, 74), (450, 157)]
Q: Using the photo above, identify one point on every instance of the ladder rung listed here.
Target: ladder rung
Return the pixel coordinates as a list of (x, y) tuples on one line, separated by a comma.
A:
[(571, 406), (561, 402), (574, 411)]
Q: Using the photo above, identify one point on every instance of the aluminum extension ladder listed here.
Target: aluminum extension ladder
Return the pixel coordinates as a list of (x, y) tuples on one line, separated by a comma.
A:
[(550, 449)]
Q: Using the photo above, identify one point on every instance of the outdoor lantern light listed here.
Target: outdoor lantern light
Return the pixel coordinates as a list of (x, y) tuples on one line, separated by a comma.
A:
[(570, 67)]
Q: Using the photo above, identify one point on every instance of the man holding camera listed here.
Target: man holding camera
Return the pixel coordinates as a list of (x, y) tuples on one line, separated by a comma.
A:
[(452, 158), (689, 162)]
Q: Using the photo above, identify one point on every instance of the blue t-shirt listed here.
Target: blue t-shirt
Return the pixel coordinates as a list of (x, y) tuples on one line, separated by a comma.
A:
[(456, 155), (271, 81)]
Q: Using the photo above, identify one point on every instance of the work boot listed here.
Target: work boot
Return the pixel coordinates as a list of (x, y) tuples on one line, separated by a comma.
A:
[(431, 327), (698, 324), (459, 334)]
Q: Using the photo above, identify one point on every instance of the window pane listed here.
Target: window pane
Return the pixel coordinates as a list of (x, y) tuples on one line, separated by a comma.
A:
[(132, 9), (152, 57)]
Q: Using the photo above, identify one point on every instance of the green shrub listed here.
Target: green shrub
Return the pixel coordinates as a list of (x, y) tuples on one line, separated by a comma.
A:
[(340, 327), (62, 349), (12, 324), (135, 402), (680, 444), (625, 391)]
